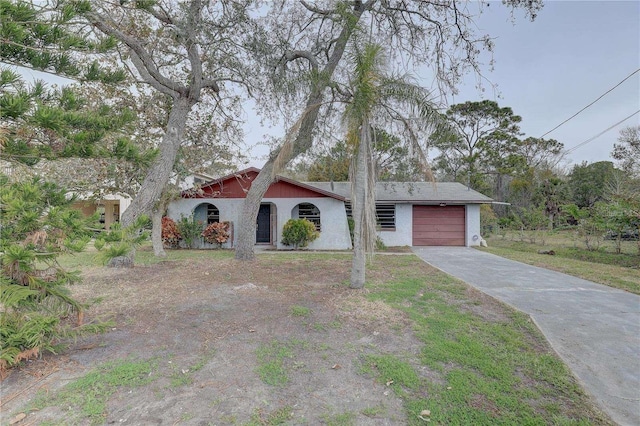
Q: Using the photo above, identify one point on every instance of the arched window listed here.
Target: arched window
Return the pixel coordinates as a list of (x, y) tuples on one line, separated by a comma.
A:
[(206, 213), (213, 214), (307, 211)]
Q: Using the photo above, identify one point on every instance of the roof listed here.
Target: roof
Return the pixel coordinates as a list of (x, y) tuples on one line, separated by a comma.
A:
[(391, 192), (236, 185), (412, 192)]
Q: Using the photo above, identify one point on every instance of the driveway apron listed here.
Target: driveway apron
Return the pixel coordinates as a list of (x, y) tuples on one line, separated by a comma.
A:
[(594, 328)]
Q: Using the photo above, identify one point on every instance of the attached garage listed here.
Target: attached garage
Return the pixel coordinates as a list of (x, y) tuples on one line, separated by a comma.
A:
[(439, 225)]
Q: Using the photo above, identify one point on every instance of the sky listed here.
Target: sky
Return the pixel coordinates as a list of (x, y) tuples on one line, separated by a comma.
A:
[(549, 69)]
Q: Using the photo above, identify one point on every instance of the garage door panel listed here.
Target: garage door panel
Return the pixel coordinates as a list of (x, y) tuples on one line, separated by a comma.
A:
[(439, 225), (440, 212), (439, 242), (426, 221)]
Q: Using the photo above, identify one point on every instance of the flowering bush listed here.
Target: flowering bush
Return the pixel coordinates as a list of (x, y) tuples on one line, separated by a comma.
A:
[(216, 233), (170, 235)]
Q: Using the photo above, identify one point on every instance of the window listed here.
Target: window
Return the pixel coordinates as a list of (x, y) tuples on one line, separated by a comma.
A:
[(310, 212), (385, 216), (213, 214)]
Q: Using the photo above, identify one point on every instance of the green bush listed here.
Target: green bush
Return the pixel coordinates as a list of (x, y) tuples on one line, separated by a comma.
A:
[(38, 225), (121, 242), (299, 233), (190, 229)]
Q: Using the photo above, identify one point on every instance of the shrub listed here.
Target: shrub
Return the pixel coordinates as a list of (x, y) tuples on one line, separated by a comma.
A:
[(299, 233), (121, 242), (216, 233), (190, 229), (38, 225), (170, 234)]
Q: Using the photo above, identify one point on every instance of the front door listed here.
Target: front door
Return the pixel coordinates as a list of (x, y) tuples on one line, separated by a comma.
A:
[(263, 228)]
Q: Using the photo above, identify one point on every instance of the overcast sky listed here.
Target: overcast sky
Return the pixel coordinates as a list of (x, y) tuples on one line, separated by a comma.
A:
[(549, 69)]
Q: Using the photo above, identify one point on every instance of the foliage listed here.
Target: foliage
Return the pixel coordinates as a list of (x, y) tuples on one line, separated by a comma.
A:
[(393, 162), (38, 225), (588, 182), (627, 151), (190, 229), (170, 234), (299, 233), (481, 137), (216, 233), (305, 73), (121, 241)]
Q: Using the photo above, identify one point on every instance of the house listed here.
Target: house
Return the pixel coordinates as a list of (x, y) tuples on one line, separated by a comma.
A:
[(109, 206), (409, 213)]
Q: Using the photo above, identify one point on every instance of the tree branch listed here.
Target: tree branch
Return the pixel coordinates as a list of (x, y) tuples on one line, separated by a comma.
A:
[(292, 55), (142, 57)]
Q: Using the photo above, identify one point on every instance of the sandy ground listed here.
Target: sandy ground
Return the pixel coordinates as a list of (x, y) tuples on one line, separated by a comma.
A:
[(217, 314)]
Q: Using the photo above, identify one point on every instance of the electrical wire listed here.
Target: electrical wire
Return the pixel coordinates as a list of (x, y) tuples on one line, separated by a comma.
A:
[(599, 134), (600, 97)]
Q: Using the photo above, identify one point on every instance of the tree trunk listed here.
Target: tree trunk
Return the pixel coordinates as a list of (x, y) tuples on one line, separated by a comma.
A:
[(156, 232), (302, 142), (160, 171), (358, 200), (247, 223)]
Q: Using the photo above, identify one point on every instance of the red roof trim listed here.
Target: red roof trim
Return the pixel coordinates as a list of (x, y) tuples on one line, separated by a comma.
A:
[(188, 193)]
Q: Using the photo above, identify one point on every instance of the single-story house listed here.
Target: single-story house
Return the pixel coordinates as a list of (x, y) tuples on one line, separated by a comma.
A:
[(409, 213)]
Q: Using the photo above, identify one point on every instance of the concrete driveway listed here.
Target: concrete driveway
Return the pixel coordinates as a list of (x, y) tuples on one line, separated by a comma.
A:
[(594, 328)]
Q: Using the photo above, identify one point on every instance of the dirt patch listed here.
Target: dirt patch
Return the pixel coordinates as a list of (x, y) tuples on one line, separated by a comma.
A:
[(217, 314)]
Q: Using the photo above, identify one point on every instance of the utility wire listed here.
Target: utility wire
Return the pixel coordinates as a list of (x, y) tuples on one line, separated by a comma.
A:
[(600, 97), (599, 134)]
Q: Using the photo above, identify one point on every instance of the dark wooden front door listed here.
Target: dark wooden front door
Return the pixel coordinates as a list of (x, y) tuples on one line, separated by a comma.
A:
[(263, 229)]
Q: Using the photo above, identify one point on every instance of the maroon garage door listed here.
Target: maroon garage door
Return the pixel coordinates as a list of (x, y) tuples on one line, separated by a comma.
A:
[(438, 226)]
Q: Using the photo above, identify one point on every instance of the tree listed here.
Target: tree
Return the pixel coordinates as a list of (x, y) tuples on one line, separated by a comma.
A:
[(627, 151), (482, 139), (184, 51), (301, 66), (375, 99), (37, 226), (588, 182), (392, 162)]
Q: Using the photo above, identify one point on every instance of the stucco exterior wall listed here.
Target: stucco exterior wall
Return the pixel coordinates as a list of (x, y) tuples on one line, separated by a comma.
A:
[(334, 230), (472, 225), (334, 233), (402, 235)]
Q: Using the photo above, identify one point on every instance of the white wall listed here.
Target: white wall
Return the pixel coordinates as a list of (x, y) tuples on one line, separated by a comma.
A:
[(334, 233), (334, 230), (473, 225)]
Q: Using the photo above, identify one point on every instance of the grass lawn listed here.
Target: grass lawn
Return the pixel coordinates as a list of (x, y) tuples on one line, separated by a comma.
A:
[(446, 352), (602, 266)]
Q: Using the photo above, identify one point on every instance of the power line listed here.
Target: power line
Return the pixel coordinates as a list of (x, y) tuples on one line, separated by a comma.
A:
[(600, 97), (600, 134)]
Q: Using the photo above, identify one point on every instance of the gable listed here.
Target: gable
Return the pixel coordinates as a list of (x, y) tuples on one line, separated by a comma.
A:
[(237, 185)]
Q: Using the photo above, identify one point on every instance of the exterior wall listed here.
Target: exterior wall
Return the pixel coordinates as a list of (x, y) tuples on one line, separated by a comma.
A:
[(334, 233), (402, 235), (473, 225), (334, 230), (111, 205)]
